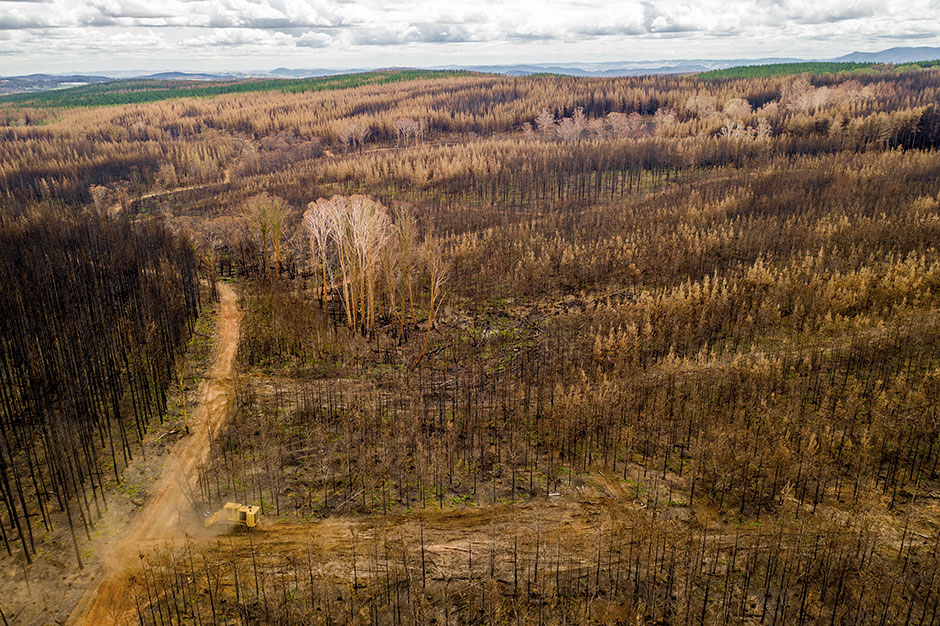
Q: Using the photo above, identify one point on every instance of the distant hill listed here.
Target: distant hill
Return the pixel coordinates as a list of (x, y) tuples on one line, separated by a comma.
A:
[(283, 72), (184, 76), (190, 82), (600, 69), (46, 82), (139, 91), (616, 68), (892, 55)]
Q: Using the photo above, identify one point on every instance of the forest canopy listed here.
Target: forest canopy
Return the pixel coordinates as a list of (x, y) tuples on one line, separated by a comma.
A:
[(529, 350)]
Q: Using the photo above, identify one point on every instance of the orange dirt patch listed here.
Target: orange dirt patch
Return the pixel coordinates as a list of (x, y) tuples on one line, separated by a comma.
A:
[(168, 516)]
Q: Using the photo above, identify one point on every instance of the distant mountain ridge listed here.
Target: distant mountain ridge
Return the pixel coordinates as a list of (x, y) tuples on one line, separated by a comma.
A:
[(45, 82), (615, 68), (892, 55)]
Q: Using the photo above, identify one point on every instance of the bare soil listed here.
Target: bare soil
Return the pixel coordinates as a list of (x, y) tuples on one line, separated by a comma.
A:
[(168, 516)]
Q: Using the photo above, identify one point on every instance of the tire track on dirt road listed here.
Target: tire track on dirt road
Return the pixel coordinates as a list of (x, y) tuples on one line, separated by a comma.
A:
[(168, 516)]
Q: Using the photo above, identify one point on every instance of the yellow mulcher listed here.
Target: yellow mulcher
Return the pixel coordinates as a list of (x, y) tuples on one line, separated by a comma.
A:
[(236, 515)]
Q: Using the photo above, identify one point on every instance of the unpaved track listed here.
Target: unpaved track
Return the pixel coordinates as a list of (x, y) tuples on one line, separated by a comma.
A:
[(117, 206), (167, 516)]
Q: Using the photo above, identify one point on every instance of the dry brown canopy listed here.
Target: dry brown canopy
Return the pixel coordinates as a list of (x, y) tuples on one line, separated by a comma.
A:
[(708, 308), (193, 141)]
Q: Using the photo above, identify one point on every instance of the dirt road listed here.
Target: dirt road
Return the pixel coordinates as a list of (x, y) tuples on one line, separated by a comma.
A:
[(167, 517), (117, 206)]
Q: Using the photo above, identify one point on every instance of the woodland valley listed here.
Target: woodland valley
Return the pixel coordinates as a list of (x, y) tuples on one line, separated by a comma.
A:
[(482, 349)]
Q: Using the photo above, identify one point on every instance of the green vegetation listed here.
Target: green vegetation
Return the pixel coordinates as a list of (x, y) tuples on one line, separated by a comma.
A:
[(142, 91), (785, 69), (811, 67), (920, 65)]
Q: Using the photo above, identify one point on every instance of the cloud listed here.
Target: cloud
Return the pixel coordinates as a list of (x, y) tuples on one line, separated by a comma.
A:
[(418, 32), (313, 40), (275, 14), (132, 9), (467, 18), (239, 37), (436, 32), (136, 40), (19, 21), (387, 31), (378, 37), (909, 35), (675, 19), (609, 30), (835, 12)]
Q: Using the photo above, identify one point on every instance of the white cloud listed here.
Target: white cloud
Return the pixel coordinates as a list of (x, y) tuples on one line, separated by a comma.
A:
[(240, 38), (383, 32), (313, 40)]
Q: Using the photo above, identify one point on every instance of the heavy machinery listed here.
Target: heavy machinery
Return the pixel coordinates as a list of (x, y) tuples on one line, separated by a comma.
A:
[(235, 514)]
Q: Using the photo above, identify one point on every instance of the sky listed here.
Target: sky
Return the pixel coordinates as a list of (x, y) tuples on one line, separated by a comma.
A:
[(213, 35)]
